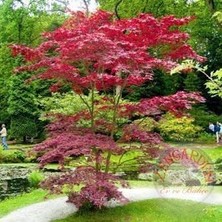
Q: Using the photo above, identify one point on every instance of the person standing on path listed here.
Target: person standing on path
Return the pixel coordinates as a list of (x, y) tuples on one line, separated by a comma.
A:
[(3, 133), (216, 128), (220, 132)]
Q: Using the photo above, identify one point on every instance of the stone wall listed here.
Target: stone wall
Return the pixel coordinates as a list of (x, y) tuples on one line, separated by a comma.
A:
[(13, 181)]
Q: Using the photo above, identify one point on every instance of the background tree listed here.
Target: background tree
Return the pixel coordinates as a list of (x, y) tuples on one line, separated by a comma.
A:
[(21, 22), (22, 109)]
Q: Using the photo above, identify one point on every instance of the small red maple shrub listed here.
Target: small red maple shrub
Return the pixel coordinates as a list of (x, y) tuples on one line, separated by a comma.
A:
[(100, 54)]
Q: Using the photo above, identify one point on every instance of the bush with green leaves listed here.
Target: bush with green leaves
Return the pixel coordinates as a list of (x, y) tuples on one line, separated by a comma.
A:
[(12, 156), (18, 156), (148, 124), (205, 137), (35, 178), (71, 103), (178, 128), (202, 117), (65, 103), (31, 157), (22, 127), (215, 83)]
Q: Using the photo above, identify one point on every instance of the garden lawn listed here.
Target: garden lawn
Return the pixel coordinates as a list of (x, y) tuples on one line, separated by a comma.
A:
[(215, 153), (155, 210), (11, 204)]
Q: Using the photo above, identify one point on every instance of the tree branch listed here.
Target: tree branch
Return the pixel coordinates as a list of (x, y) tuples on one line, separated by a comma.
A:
[(116, 8)]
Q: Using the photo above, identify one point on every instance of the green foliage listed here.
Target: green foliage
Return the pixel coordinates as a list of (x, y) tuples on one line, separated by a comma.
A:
[(21, 97), (65, 103), (155, 210), (192, 82), (31, 157), (22, 126), (18, 155), (132, 8), (202, 117), (70, 103), (125, 7), (147, 124), (21, 23), (22, 108), (11, 204), (215, 84), (35, 178), (214, 152), (206, 138), (162, 84), (178, 129), (219, 160), (218, 16), (12, 156), (7, 64)]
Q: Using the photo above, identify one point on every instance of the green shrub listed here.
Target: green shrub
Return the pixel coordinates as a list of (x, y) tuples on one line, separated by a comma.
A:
[(20, 155), (11, 156), (35, 178), (31, 156), (178, 129), (22, 127), (147, 124), (203, 117), (205, 137)]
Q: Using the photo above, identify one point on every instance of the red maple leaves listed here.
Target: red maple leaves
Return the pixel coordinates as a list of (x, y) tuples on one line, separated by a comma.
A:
[(107, 55), (102, 52)]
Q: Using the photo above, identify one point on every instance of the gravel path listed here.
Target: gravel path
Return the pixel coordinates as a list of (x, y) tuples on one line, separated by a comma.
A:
[(58, 208)]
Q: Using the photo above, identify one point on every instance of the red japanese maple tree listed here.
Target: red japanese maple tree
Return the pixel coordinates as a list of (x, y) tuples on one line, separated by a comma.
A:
[(100, 54)]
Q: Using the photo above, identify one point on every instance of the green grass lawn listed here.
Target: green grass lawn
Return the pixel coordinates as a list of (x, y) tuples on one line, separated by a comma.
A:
[(155, 210), (14, 203), (215, 153), (11, 204)]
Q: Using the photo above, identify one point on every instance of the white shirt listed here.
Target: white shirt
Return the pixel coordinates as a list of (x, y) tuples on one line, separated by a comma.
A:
[(3, 132), (211, 127)]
